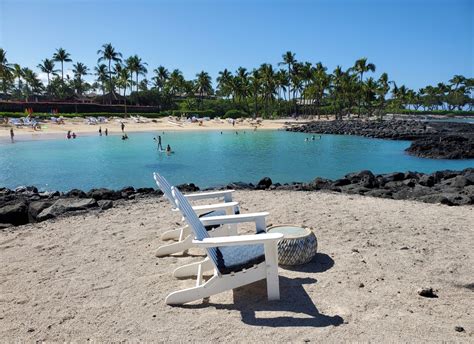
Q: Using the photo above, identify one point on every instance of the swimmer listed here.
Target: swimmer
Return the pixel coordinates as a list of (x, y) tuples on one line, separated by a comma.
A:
[(124, 137), (312, 138), (168, 149), (74, 135)]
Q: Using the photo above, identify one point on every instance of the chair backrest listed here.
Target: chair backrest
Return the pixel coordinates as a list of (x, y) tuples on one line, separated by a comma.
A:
[(165, 187), (193, 221)]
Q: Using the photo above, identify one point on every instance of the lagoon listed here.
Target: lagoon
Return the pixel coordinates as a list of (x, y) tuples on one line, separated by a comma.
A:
[(207, 159)]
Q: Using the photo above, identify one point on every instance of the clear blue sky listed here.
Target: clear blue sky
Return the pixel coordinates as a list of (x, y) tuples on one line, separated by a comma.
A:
[(416, 42)]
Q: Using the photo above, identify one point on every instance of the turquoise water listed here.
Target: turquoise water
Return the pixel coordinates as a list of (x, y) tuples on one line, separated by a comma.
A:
[(204, 158)]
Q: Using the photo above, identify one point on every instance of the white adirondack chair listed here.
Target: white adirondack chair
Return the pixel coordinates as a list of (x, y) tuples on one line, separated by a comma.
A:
[(236, 260), (183, 234)]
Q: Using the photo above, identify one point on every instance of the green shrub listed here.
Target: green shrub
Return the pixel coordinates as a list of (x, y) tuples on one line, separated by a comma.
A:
[(235, 114)]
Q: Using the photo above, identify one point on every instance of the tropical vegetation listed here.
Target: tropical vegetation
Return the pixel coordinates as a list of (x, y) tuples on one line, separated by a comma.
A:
[(290, 88)]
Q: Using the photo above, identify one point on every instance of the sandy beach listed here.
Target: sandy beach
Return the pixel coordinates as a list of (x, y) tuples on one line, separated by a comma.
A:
[(95, 276), (78, 126)]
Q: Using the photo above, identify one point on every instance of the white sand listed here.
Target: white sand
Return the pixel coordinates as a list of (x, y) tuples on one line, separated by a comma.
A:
[(96, 276), (50, 130)]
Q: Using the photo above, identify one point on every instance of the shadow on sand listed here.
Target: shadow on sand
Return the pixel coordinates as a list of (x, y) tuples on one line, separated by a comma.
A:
[(294, 299)]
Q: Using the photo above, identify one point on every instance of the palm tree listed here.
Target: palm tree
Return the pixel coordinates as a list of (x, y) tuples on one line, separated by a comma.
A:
[(62, 56), (256, 85), (203, 85), (360, 67), (5, 70), (289, 60), (267, 75), (109, 54), (140, 68), (101, 72), (32, 83), (176, 82), (18, 74), (47, 66), (122, 80), (161, 77), (80, 70), (320, 81), (224, 81)]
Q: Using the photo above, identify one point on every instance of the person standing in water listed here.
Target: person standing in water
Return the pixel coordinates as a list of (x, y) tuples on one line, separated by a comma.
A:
[(12, 134), (100, 131), (160, 147), (106, 132), (168, 149), (123, 126)]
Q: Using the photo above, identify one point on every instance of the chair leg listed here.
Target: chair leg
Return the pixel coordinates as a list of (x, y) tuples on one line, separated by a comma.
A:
[(174, 234), (271, 261), (176, 247), (193, 268), (207, 289)]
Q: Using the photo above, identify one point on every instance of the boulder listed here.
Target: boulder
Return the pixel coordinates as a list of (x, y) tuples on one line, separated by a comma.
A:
[(427, 180), (31, 189), (145, 190), (49, 194), (394, 177), (460, 181), (15, 213), (379, 193), (34, 208), (264, 183), (341, 182), (75, 193), (469, 177), (126, 192), (187, 187), (436, 198), (364, 178), (105, 204), (319, 184), (355, 189), (104, 193), (5, 191), (240, 186), (64, 205)]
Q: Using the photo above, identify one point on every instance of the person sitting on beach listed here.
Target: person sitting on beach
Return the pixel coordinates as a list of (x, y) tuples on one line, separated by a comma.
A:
[(68, 134), (74, 135)]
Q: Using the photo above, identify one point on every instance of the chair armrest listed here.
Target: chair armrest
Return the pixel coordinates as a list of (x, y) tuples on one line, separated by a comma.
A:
[(238, 240), (226, 194), (218, 206), (258, 218)]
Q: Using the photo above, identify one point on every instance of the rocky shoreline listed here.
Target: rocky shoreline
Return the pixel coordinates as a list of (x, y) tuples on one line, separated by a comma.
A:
[(438, 140), (27, 205)]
